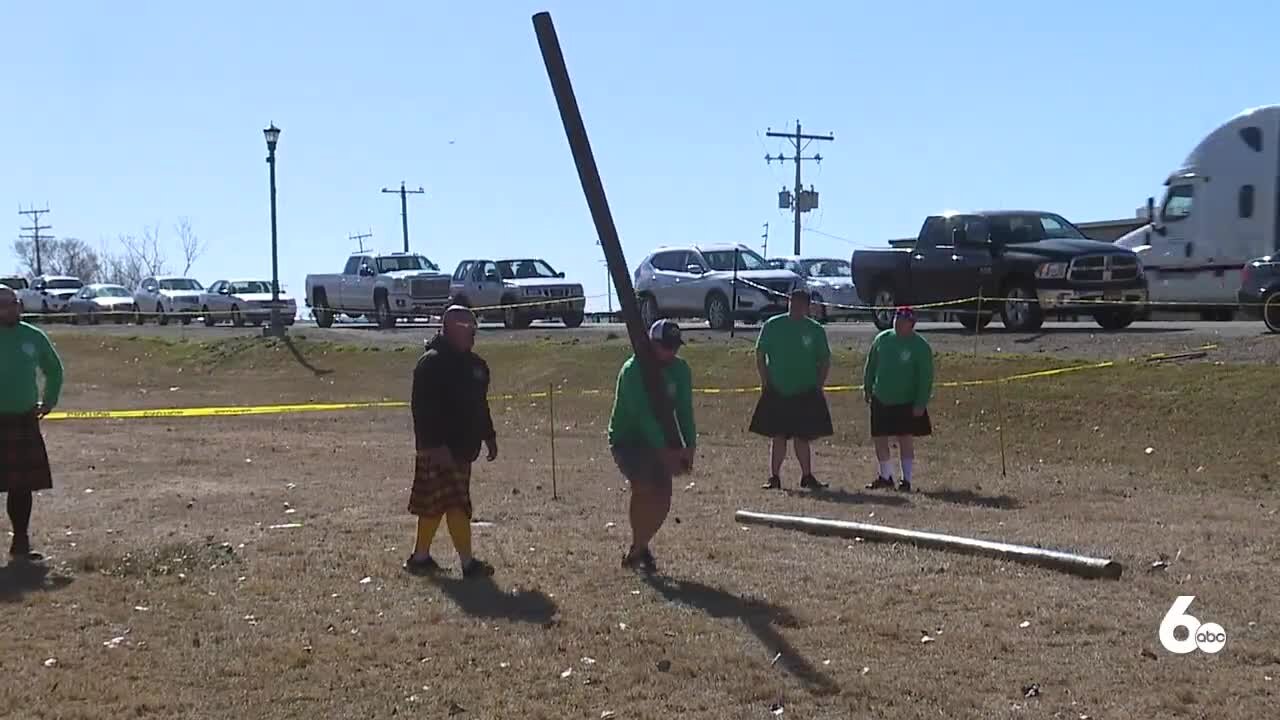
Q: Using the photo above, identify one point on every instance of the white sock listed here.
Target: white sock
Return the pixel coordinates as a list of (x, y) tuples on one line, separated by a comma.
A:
[(886, 470), (906, 468)]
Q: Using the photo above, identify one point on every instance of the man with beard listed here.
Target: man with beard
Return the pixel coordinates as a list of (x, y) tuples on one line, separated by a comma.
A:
[(451, 419), (24, 461)]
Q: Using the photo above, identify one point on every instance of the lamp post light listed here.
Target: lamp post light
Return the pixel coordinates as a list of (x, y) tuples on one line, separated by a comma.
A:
[(275, 329)]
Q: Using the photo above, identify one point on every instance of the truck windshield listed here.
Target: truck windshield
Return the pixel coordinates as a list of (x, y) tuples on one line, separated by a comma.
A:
[(1177, 203), (827, 268), (180, 284), (523, 269), (1014, 229), (722, 260), (64, 284), (395, 263)]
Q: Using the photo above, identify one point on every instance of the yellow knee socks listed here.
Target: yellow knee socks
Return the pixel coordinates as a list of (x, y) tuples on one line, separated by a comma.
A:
[(460, 531)]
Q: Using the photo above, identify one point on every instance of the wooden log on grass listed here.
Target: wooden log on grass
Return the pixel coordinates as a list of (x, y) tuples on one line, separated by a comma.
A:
[(1081, 565)]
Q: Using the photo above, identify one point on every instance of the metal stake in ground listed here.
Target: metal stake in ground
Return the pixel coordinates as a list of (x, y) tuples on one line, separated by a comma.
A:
[(1053, 559), (551, 409), (593, 189)]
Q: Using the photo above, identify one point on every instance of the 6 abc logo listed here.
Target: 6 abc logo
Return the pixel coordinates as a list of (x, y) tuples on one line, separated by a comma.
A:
[(1208, 638)]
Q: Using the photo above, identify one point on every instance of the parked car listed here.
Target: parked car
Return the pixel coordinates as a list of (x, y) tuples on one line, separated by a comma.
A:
[(830, 284), (1259, 293), (49, 293), (388, 286), (241, 301), (168, 297), (697, 281), (100, 300), (1028, 261), (17, 283), (520, 285)]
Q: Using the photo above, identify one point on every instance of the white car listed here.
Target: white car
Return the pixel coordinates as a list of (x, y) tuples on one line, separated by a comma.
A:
[(241, 301), (828, 280), (698, 282), (166, 297), (100, 300), (49, 294)]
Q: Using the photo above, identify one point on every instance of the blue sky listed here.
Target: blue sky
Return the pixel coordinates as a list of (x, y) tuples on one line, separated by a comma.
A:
[(121, 117)]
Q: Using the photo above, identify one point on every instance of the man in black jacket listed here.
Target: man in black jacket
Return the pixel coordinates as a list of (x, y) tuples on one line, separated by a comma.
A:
[(451, 420)]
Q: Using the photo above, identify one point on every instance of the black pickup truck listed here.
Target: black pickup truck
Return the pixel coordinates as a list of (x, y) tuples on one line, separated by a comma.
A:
[(1028, 262)]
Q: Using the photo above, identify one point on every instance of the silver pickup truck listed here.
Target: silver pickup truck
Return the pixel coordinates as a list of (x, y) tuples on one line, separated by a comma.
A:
[(385, 286), (518, 291)]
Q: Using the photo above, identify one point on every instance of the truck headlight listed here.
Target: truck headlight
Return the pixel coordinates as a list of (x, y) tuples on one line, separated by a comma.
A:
[(399, 284), (1051, 271)]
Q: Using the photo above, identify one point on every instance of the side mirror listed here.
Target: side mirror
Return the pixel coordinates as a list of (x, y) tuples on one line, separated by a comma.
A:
[(694, 269), (560, 274), (366, 271)]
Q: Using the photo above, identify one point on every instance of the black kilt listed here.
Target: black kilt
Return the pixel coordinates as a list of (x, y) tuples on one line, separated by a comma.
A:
[(24, 462), (804, 416), (898, 420)]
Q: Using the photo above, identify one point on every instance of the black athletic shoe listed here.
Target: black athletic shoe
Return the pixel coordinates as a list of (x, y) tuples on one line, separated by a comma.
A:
[(774, 483), (640, 561), (21, 551), (423, 566), (477, 568), (881, 483), (904, 486), (812, 483)]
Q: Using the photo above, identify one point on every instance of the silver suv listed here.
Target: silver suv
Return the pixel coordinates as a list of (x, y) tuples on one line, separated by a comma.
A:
[(697, 281)]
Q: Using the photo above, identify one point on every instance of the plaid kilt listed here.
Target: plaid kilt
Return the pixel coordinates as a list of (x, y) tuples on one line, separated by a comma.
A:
[(24, 462), (437, 490)]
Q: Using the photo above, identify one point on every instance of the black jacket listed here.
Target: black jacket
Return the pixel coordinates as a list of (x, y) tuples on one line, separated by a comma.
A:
[(450, 402)]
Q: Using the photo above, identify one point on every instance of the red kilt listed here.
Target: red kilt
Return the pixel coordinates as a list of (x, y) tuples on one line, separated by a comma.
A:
[(24, 462), (436, 489)]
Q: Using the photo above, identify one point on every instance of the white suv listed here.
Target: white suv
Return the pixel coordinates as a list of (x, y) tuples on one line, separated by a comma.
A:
[(697, 281)]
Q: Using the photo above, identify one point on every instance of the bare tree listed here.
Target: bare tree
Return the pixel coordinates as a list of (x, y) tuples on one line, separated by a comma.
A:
[(121, 267), (61, 256), (192, 248)]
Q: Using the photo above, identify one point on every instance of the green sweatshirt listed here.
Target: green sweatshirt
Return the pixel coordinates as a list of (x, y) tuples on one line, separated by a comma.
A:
[(23, 348), (899, 370), (633, 421)]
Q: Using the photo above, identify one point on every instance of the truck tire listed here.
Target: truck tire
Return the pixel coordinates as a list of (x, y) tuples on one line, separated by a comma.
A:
[(719, 315), (573, 319), (164, 319), (512, 317), (1115, 319), (884, 300), (382, 311), (976, 321), (649, 312), (1271, 311), (209, 319), (1020, 311), (320, 311)]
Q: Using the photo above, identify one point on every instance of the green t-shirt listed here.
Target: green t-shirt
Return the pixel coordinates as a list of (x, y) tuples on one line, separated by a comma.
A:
[(899, 370), (793, 351), (24, 349), (634, 422)]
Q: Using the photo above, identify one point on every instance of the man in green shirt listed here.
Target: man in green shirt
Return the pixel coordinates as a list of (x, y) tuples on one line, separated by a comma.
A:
[(639, 445), (24, 461), (793, 359), (897, 383)]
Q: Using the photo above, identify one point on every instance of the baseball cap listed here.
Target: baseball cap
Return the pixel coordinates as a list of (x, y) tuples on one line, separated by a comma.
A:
[(666, 333), (905, 313)]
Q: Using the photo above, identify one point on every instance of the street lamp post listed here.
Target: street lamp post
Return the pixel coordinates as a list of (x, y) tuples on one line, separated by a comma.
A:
[(275, 329)]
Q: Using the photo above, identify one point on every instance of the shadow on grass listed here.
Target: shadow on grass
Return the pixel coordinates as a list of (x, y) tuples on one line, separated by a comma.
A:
[(302, 359), (482, 598), (844, 497), (18, 579), (973, 499), (759, 617)]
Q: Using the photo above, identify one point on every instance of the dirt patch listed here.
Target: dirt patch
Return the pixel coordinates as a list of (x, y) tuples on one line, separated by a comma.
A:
[(232, 567)]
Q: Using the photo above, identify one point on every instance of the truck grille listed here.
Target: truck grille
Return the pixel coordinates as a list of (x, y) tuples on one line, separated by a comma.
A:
[(1103, 268), (429, 287), (781, 288)]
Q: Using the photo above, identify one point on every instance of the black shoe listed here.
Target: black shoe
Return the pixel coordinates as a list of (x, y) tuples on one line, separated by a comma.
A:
[(477, 568), (423, 566), (640, 561), (881, 483), (904, 486), (775, 483), (812, 483), (21, 551)]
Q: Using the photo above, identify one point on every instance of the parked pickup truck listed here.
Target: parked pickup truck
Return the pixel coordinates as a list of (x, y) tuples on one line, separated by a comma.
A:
[(387, 286), (1029, 262), (520, 286), (1259, 292)]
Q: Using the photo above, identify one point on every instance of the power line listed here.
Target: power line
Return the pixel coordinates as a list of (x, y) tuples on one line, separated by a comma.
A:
[(35, 229), (360, 238), (798, 200), (404, 208), (833, 237)]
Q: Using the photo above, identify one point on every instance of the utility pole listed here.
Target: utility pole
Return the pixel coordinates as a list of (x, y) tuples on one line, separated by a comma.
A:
[(360, 238), (35, 229), (404, 208), (798, 200), (764, 249)]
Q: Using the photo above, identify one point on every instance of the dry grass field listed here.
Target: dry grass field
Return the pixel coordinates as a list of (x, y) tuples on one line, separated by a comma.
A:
[(169, 594)]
